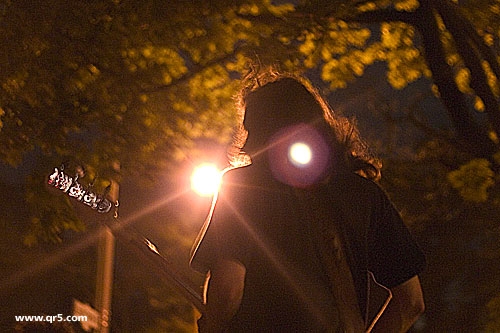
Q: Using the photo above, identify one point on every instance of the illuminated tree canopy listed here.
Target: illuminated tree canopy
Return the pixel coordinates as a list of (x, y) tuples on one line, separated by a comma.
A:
[(140, 82), (137, 81)]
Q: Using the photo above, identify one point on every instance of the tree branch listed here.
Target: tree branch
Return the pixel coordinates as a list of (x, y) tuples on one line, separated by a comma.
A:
[(423, 19), (468, 48), (383, 15)]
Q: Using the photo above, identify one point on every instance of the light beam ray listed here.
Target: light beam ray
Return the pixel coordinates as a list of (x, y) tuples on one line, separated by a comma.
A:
[(17, 278), (280, 267)]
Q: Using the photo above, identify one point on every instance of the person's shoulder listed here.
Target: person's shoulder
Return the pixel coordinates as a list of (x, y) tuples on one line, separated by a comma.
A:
[(237, 181), (238, 175), (351, 186), (238, 172), (250, 175), (357, 181)]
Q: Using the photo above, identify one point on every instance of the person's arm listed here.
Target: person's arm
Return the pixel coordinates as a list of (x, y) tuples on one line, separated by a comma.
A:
[(224, 294), (405, 307)]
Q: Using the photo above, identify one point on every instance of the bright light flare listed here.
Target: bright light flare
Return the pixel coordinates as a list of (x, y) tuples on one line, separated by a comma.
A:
[(300, 154), (206, 179)]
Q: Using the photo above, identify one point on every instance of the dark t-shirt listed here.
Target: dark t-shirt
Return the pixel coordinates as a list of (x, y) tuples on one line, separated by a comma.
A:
[(264, 224)]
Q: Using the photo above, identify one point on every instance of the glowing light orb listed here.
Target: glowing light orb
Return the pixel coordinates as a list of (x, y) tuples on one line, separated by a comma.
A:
[(206, 179), (300, 154)]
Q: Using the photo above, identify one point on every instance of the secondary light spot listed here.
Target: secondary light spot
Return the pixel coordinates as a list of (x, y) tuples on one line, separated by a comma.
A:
[(300, 154)]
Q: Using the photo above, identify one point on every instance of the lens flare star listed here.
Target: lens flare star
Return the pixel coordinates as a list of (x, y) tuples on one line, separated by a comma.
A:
[(206, 179)]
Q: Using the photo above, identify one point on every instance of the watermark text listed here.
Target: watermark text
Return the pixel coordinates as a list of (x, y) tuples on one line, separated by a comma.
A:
[(50, 318)]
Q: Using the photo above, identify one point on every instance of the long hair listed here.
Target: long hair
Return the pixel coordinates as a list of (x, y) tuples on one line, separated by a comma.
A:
[(351, 152)]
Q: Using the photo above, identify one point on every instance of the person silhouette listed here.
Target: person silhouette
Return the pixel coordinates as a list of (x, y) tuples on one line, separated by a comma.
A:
[(298, 237)]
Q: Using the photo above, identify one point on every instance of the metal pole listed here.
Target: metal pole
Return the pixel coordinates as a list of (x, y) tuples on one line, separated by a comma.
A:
[(105, 266), (104, 284)]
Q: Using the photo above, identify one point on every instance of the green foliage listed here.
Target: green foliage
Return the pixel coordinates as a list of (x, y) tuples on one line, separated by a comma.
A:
[(341, 52), (473, 180), (404, 60), (493, 324)]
